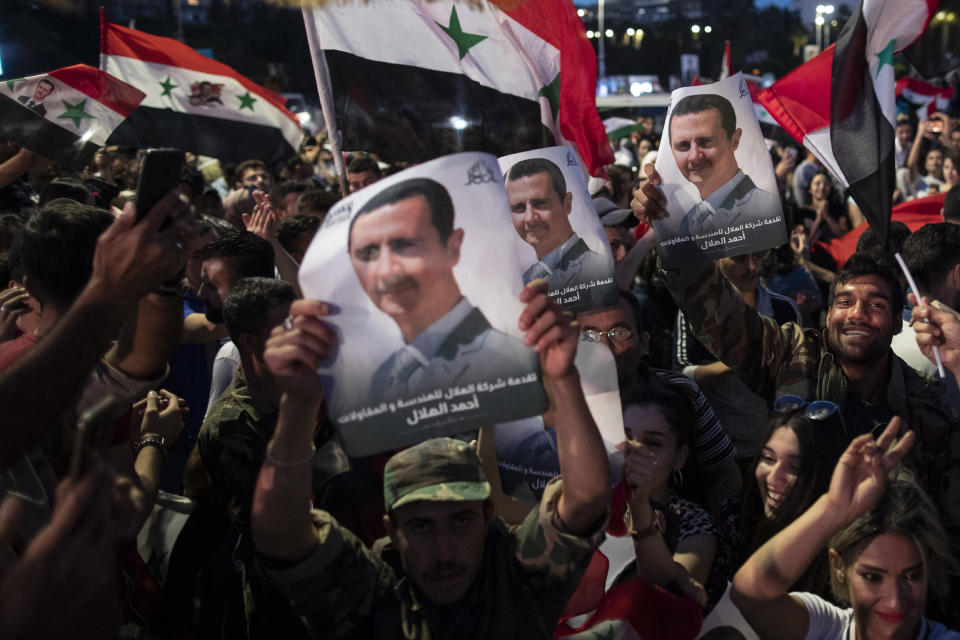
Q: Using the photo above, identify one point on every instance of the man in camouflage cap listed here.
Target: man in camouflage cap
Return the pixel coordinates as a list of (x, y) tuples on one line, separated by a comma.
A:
[(453, 570)]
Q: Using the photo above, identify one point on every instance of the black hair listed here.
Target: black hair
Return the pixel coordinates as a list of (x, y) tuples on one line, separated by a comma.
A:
[(248, 164), (57, 246), (69, 187), (931, 252), (674, 407), (53, 87), (704, 101), (869, 263), (248, 303), (287, 187), (193, 178), (291, 228), (436, 195), (533, 166), (361, 164), (316, 202), (869, 240), (244, 254)]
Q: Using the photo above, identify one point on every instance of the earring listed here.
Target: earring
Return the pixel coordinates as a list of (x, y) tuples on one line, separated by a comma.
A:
[(840, 577), (677, 476)]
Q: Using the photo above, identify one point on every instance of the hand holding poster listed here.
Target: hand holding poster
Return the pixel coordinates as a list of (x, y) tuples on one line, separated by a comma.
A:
[(565, 242), (722, 197), (422, 270)]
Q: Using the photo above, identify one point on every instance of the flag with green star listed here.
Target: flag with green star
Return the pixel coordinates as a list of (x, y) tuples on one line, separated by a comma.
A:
[(496, 76), (66, 114), (196, 103), (842, 104)]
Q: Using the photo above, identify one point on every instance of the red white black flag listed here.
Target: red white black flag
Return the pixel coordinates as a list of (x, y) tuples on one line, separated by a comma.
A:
[(417, 80), (66, 114), (841, 104), (194, 102)]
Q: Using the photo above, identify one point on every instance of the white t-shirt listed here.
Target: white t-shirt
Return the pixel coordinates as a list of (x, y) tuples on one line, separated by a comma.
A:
[(830, 622)]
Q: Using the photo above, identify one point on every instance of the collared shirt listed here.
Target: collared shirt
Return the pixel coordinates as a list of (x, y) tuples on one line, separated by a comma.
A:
[(716, 199), (551, 262), (411, 360), (737, 200)]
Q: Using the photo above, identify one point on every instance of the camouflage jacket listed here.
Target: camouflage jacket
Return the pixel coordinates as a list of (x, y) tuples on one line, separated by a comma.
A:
[(343, 589), (786, 359)]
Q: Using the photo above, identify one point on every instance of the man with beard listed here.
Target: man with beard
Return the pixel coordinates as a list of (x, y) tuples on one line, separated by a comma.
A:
[(703, 138), (850, 363), (619, 328), (403, 246)]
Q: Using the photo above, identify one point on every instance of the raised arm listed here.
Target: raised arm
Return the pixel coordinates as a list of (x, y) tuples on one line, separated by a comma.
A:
[(859, 480), (583, 457), (280, 515)]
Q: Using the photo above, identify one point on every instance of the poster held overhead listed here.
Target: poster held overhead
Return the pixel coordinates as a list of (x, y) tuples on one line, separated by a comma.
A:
[(423, 271), (722, 197), (563, 238)]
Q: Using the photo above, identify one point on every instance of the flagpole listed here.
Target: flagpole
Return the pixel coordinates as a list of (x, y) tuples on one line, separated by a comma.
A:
[(322, 75)]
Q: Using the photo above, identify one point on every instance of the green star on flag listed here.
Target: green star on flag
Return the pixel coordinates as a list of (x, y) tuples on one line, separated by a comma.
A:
[(885, 55), (167, 87), (10, 84), (608, 635), (465, 41), (246, 101), (75, 112), (552, 93)]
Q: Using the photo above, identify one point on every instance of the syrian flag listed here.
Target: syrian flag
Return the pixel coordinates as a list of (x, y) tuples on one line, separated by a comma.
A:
[(841, 104), (923, 97), (726, 66), (194, 102), (417, 80), (65, 115)]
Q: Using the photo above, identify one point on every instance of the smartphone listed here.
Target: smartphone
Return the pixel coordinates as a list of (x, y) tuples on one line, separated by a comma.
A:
[(159, 173)]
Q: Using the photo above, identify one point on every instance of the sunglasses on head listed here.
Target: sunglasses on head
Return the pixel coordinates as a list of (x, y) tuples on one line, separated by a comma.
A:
[(815, 410)]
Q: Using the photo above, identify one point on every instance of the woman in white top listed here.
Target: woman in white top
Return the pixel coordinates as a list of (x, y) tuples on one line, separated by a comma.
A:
[(887, 550)]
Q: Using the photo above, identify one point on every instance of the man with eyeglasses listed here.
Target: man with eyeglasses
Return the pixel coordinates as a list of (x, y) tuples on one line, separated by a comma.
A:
[(619, 329)]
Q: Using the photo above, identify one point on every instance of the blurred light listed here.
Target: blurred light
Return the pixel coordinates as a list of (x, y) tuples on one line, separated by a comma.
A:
[(609, 33), (458, 123), (819, 20), (303, 117), (834, 23), (828, 8), (640, 32), (581, 12), (639, 88), (631, 31), (695, 28), (589, 33), (820, 8), (707, 29)]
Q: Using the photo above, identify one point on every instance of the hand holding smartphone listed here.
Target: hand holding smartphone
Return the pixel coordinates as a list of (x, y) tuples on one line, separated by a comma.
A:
[(159, 173)]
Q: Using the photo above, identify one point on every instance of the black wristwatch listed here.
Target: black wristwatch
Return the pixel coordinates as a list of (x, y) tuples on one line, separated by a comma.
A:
[(151, 440), (658, 524)]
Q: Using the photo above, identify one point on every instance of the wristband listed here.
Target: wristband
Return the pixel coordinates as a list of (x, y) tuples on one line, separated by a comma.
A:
[(151, 440)]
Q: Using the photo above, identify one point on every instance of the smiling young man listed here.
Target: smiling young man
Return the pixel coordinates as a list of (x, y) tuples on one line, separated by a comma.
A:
[(452, 570)]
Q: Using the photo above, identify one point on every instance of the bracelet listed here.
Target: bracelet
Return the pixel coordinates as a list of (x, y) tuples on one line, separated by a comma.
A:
[(151, 440), (657, 526), (289, 463)]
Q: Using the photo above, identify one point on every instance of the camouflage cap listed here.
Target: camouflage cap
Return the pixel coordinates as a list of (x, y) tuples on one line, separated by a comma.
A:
[(439, 470)]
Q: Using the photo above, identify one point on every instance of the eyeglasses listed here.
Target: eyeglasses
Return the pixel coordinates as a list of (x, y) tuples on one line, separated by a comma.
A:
[(617, 334), (816, 410)]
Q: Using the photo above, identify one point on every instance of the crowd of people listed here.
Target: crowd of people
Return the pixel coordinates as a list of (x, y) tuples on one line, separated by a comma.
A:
[(788, 447)]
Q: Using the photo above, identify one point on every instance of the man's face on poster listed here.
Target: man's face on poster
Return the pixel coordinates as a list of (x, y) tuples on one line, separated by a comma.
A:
[(540, 215), (703, 150), (400, 259), (42, 90)]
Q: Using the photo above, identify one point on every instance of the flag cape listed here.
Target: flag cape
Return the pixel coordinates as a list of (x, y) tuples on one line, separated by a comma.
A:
[(841, 104), (414, 81), (922, 97), (80, 109), (194, 102)]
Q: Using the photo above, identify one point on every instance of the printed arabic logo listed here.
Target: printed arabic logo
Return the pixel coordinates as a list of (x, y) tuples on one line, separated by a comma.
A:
[(479, 173), (743, 88), (572, 160)]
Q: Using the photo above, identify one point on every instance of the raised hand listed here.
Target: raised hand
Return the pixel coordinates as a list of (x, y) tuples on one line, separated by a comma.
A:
[(860, 477), (298, 347), (639, 469), (264, 219), (163, 415), (550, 332), (936, 328), (13, 304), (648, 202)]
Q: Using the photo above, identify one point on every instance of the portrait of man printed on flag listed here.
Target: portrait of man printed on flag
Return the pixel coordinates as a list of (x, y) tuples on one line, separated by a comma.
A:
[(552, 212), (722, 197), (424, 268)]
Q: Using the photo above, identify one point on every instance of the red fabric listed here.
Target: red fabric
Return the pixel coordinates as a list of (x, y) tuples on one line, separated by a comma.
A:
[(556, 22), (800, 100), (13, 349), (640, 230), (106, 89), (130, 43), (590, 591), (653, 612), (914, 214)]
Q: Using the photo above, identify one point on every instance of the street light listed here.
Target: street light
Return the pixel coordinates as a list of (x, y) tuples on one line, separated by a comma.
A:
[(707, 29), (581, 12), (589, 34), (631, 31), (819, 21), (608, 33), (695, 29)]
